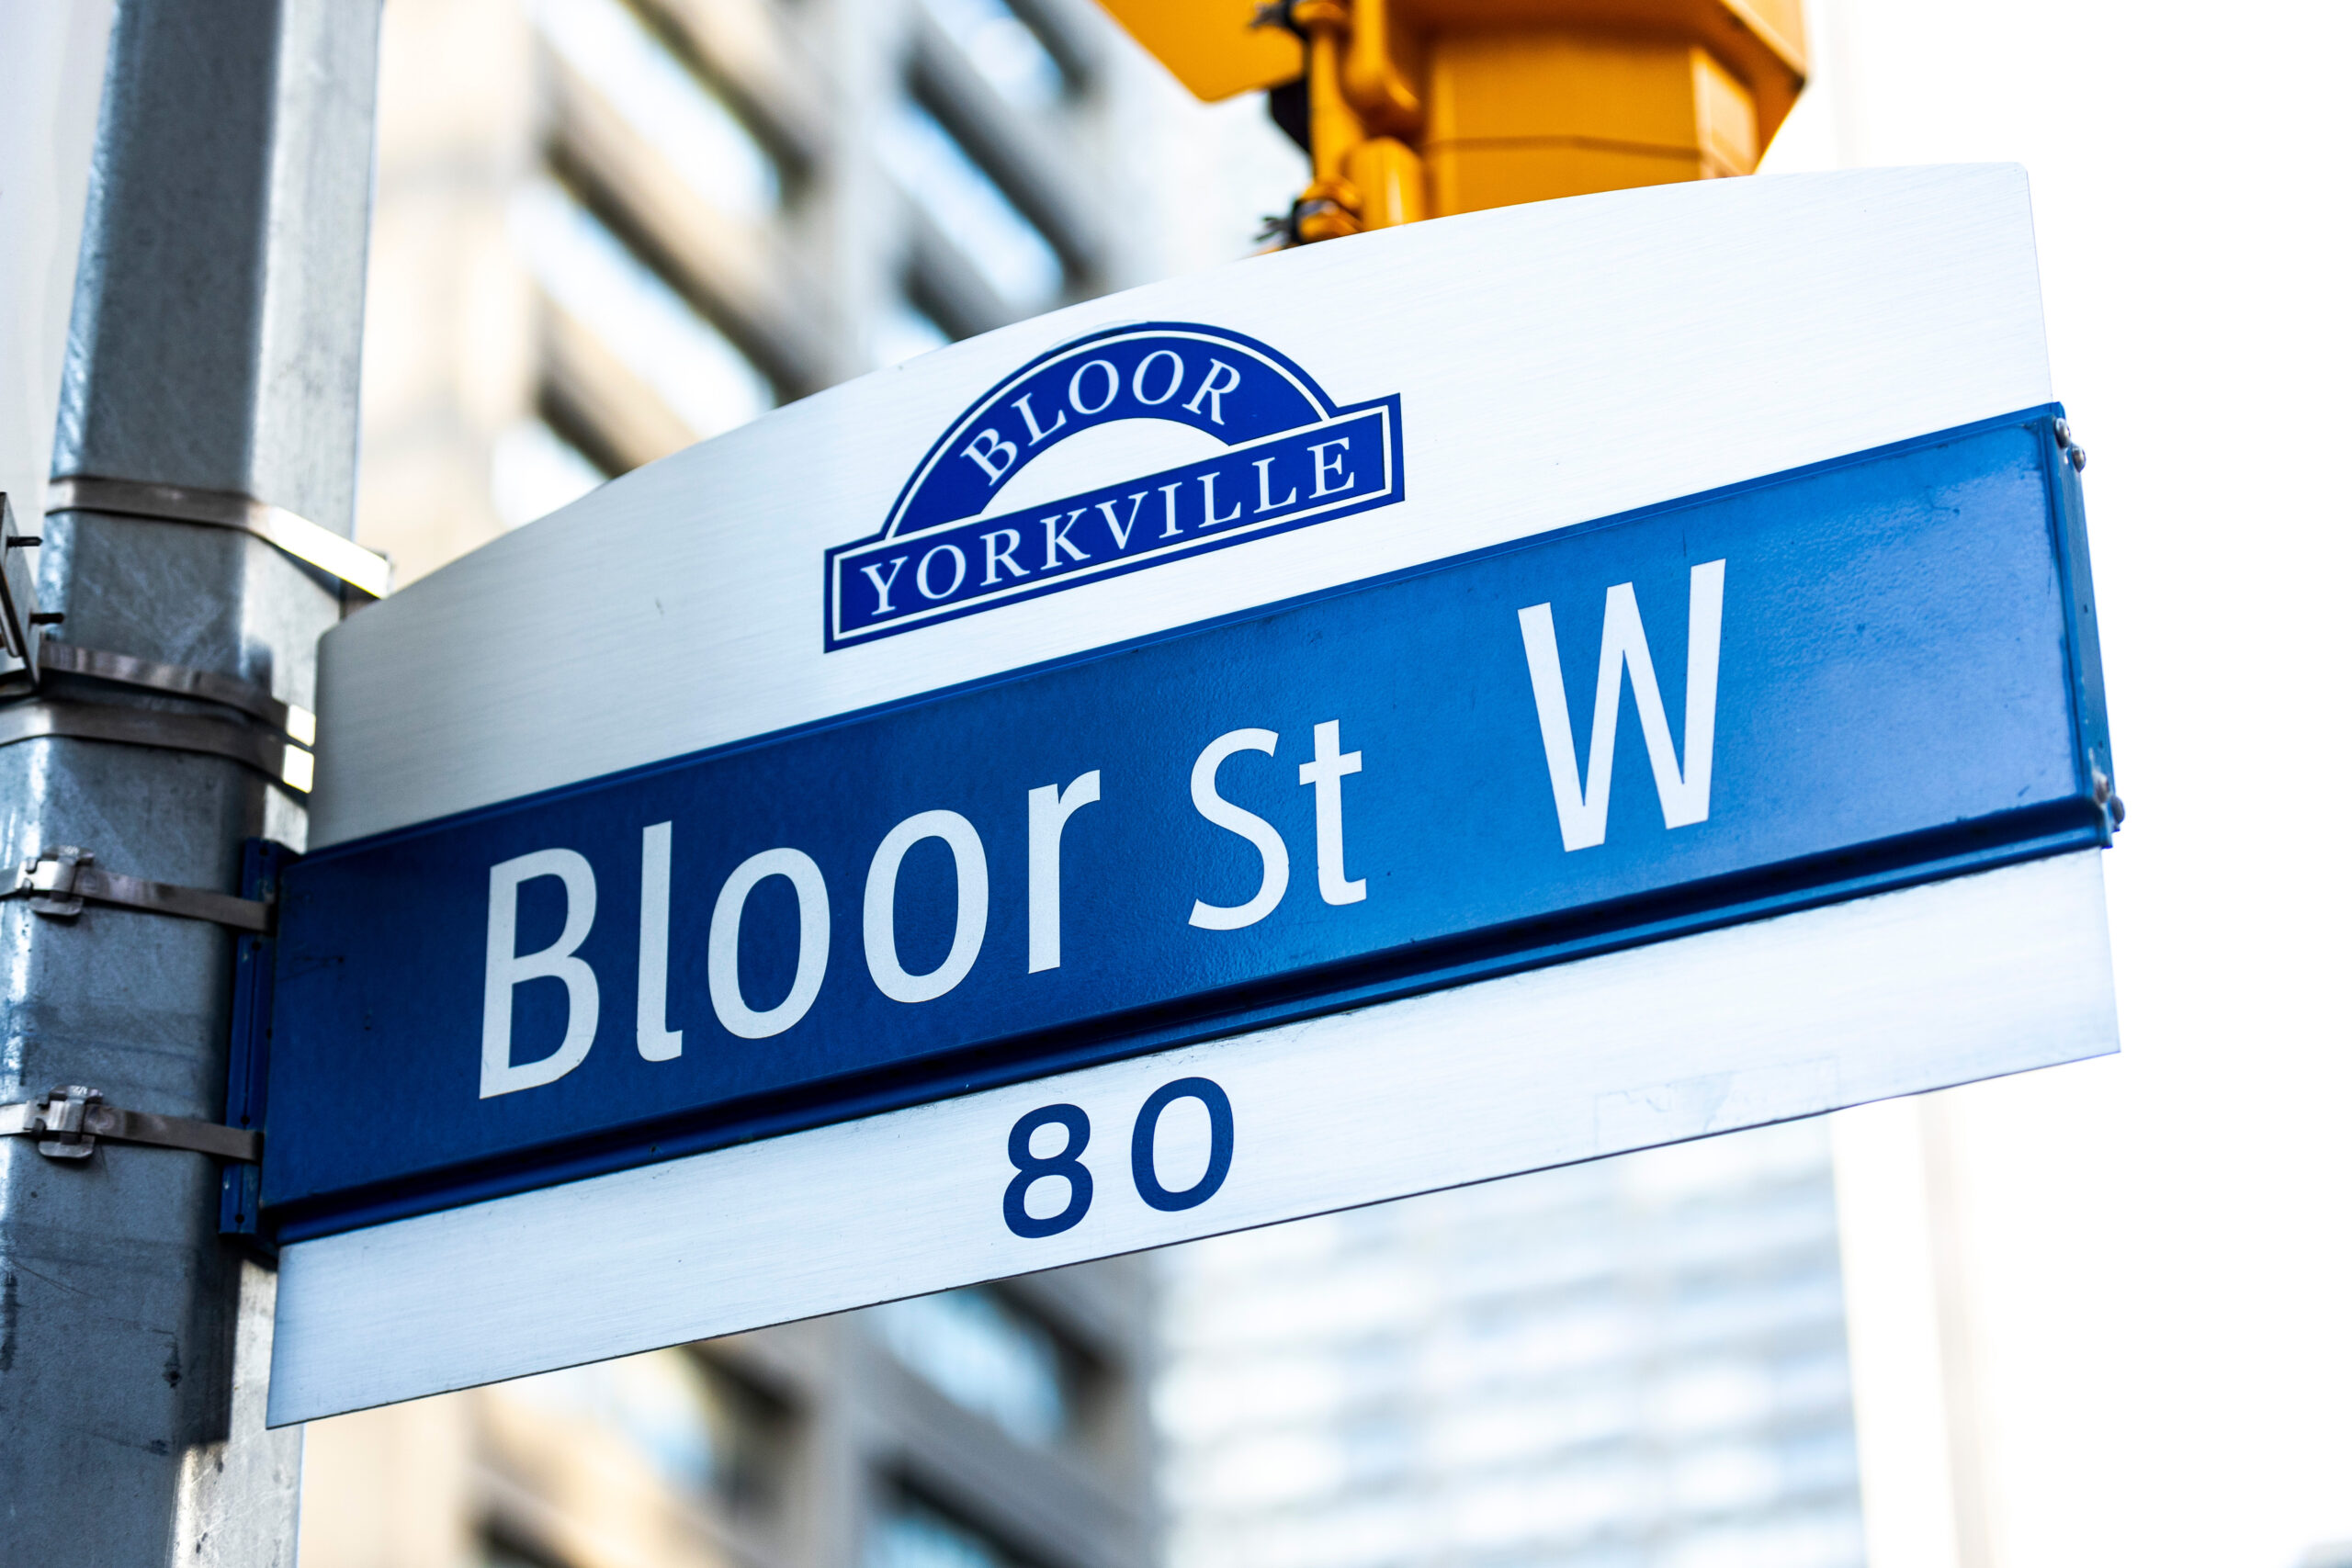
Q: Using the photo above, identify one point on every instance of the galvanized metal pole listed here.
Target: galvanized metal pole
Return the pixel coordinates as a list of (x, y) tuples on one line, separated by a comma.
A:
[(215, 347)]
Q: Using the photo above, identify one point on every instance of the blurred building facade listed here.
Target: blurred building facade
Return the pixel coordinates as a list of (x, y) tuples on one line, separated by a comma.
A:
[(983, 1429), (606, 229), (1640, 1362)]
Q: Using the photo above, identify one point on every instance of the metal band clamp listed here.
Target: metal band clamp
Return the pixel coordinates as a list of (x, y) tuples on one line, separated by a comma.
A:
[(296, 722), (73, 1118), (266, 754), (59, 881), (296, 535)]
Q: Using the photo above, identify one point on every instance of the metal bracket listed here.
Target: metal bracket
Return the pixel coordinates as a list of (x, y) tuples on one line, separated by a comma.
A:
[(71, 1120), (247, 1103), (59, 881), (272, 757), (296, 535), (296, 722), (18, 614)]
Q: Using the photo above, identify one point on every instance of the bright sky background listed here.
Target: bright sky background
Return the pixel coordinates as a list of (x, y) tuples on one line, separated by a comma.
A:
[(2162, 1249)]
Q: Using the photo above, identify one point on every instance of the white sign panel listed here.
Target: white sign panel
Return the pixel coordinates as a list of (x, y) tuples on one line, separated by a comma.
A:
[(1139, 774)]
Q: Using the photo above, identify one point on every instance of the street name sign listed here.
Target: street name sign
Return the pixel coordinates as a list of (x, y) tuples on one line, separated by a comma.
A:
[(1405, 712)]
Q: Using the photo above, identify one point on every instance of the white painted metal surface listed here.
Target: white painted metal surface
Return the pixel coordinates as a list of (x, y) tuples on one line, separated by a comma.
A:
[(1690, 336), (1988, 975)]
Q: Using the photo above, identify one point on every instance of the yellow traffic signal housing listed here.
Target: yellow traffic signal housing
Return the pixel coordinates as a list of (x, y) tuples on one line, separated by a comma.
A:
[(1423, 107), (1216, 48)]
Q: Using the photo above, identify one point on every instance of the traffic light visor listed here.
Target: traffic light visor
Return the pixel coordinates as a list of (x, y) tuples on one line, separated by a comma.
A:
[(1211, 45)]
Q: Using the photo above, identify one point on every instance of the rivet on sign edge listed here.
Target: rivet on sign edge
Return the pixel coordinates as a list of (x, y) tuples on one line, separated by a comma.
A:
[(2103, 793)]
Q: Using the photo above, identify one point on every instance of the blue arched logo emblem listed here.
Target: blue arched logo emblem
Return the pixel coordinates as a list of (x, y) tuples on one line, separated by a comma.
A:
[(952, 547)]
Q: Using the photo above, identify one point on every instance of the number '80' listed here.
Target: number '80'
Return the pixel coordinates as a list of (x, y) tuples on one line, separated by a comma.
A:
[(1031, 1168)]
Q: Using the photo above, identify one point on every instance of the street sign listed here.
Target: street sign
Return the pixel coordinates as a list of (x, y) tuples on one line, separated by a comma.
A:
[(1368, 719)]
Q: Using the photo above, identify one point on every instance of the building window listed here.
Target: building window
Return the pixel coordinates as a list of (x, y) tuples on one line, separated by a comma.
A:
[(910, 1533), (970, 208), (1005, 50), (676, 112), (988, 1355), (705, 1431), (586, 269)]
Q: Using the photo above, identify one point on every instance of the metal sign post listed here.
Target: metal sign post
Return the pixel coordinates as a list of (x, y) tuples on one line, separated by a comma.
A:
[(1183, 763), (153, 722)]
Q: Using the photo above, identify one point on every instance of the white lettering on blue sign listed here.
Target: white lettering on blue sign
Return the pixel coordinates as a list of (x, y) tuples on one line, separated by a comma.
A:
[(505, 969), (1581, 798), (737, 1016), (881, 907), (1625, 655), (1050, 810), (1292, 457), (656, 1041)]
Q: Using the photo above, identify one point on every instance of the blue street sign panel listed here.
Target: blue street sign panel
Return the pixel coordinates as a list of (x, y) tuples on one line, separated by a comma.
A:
[(1845, 678)]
